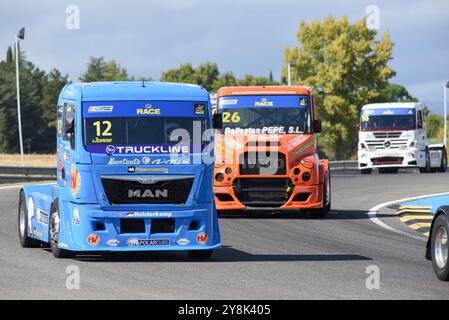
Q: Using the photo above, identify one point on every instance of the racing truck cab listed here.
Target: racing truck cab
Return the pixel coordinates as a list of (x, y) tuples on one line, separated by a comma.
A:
[(266, 156), (132, 172), (393, 136)]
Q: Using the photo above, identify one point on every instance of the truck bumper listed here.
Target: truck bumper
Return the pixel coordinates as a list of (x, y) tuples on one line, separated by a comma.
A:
[(302, 197), (409, 158), (89, 228)]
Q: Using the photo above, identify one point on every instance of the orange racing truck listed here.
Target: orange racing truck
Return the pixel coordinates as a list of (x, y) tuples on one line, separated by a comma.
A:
[(266, 156)]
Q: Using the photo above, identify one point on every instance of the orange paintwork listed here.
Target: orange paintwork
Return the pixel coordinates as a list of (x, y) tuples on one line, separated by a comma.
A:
[(299, 150)]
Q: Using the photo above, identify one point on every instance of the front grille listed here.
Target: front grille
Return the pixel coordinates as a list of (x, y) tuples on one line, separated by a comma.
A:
[(386, 135), (387, 144), (263, 192), (259, 163), (387, 160), (159, 192)]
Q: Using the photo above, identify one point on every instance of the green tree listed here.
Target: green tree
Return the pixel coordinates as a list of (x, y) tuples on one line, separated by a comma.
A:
[(346, 67), (38, 106), (249, 80), (227, 79), (394, 93), (100, 70)]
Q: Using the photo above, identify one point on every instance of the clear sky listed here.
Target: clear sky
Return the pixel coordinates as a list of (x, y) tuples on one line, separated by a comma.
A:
[(243, 36)]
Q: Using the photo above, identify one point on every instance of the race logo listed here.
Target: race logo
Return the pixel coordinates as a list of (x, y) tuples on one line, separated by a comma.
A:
[(148, 193), (264, 103), (135, 242), (201, 238), (149, 110), (93, 239)]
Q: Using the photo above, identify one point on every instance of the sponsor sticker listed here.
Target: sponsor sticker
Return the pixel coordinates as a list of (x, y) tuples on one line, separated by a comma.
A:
[(149, 110), (93, 239), (100, 109), (131, 169), (76, 217), (147, 214), (113, 242), (201, 238), (135, 242), (183, 241), (146, 160), (42, 216), (199, 109), (110, 149)]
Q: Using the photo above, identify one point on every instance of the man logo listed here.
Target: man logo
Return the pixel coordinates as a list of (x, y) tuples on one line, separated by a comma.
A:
[(93, 239), (201, 238), (148, 193)]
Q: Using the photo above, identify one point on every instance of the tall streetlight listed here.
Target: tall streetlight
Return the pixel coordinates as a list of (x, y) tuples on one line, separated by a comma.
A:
[(289, 71), (445, 114), (20, 36)]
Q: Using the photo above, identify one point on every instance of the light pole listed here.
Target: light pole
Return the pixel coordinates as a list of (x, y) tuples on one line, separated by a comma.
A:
[(289, 71), (445, 114), (20, 36)]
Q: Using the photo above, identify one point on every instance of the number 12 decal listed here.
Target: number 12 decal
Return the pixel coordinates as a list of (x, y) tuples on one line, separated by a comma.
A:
[(106, 132)]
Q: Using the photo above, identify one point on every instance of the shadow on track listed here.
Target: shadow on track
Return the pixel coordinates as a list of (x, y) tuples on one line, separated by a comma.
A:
[(225, 254), (339, 214)]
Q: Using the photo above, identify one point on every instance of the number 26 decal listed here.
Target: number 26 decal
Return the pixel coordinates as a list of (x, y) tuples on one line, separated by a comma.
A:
[(227, 117)]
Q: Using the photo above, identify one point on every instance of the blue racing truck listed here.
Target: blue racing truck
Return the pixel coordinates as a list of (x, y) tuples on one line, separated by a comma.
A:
[(134, 173)]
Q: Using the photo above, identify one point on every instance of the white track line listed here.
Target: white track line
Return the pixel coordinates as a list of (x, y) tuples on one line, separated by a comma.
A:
[(11, 187), (372, 214)]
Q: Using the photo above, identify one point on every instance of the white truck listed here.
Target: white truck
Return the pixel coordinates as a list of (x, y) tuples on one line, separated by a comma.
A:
[(393, 136)]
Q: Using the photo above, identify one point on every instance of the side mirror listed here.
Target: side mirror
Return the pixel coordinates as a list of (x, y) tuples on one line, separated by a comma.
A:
[(316, 126), (217, 121), (69, 127)]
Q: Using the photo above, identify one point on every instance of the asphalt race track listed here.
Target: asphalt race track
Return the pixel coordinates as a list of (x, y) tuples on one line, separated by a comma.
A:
[(284, 256)]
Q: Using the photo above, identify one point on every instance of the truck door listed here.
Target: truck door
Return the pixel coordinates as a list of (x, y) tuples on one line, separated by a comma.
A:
[(66, 143), (421, 135)]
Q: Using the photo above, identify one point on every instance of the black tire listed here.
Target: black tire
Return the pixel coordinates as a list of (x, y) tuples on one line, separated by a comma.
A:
[(322, 212), (441, 269), (22, 226), (443, 166), (427, 168), (200, 254), (54, 233), (366, 171)]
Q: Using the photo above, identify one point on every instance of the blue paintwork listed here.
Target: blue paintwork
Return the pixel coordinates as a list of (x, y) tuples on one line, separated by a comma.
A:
[(89, 199)]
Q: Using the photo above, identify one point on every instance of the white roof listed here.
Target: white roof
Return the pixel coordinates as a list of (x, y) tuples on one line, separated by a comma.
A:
[(407, 105)]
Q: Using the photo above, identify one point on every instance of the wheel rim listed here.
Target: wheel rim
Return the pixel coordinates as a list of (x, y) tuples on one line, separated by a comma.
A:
[(441, 247), (22, 223), (54, 227)]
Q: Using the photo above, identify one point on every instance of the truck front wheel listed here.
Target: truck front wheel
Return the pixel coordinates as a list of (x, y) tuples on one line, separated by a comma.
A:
[(322, 212), (440, 247), (23, 227), (54, 233)]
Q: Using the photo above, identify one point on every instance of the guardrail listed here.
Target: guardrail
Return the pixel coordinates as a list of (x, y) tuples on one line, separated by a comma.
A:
[(27, 174)]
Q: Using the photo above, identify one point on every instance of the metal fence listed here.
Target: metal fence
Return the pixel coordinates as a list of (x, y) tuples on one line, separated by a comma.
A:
[(27, 174)]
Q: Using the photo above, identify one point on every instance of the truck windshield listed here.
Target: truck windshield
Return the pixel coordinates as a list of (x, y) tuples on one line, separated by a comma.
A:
[(282, 114), (127, 127), (392, 119)]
